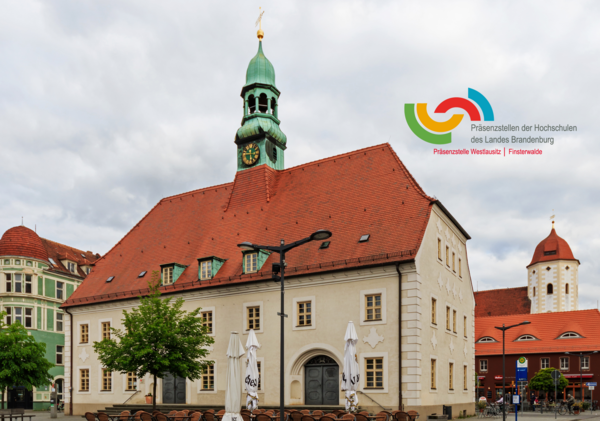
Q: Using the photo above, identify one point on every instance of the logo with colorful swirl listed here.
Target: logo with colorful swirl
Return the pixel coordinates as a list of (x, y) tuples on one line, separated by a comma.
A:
[(439, 132)]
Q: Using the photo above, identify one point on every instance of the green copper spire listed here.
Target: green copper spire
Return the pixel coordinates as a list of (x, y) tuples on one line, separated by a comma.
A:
[(260, 69), (260, 140)]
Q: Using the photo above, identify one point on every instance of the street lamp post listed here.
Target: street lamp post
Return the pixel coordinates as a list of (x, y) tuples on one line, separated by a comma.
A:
[(504, 328), (581, 355), (280, 268)]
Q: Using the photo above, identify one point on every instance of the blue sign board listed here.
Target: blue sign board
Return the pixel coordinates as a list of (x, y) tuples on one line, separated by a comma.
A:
[(591, 384), (521, 372)]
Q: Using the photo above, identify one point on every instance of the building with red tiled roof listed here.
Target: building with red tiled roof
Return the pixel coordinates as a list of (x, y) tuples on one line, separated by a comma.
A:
[(36, 276), (395, 255), (553, 284), (502, 302), (544, 342)]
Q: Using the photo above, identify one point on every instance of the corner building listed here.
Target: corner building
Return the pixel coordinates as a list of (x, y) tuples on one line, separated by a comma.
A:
[(396, 266), (36, 276)]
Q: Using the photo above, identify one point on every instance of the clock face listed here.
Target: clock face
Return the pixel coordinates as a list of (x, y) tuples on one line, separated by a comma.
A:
[(250, 154)]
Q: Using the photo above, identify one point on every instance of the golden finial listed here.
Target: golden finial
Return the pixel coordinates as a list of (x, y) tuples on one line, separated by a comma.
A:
[(552, 218), (260, 34)]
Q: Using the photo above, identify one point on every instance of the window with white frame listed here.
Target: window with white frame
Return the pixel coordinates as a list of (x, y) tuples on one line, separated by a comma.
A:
[(545, 362), (569, 335), (59, 354), (8, 281), (28, 317), (372, 307), (59, 322), (451, 376), (9, 313), (18, 282), (564, 363), (71, 267), (18, 262), (253, 318), (483, 365), (207, 382), (28, 284), (18, 314), (60, 287), (585, 363), (526, 338), (433, 374), (373, 373), (486, 339), (106, 380), (84, 380), (433, 311)]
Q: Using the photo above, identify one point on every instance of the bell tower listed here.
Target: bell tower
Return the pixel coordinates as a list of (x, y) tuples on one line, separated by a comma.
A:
[(553, 276), (260, 140)]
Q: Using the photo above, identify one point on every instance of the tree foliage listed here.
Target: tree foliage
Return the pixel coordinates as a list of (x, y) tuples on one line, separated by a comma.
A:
[(158, 337), (22, 360), (542, 381)]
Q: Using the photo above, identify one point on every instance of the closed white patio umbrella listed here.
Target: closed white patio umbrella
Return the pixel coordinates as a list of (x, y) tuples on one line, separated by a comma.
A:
[(351, 373), (251, 380), (234, 377)]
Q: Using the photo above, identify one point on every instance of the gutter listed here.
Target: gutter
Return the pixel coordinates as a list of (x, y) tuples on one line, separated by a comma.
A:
[(449, 215), (400, 406), (70, 366)]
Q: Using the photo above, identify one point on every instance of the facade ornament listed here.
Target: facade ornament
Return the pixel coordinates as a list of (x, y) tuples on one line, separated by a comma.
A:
[(454, 290), (451, 345), (439, 226), (448, 287), (433, 340), (84, 355), (465, 350), (441, 282), (460, 295), (373, 339)]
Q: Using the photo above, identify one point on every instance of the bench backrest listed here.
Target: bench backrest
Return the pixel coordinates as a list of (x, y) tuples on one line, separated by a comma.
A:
[(4, 411), (17, 411)]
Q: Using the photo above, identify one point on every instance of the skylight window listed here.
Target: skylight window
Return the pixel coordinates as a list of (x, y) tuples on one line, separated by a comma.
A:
[(52, 261), (141, 275), (82, 255), (487, 339), (110, 279), (526, 338), (324, 245), (570, 335), (364, 238)]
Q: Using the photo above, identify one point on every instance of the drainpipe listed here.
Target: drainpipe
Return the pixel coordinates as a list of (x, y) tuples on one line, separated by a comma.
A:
[(400, 406), (71, 367)]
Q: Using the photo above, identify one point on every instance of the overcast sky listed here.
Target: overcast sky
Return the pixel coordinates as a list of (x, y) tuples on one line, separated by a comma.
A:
[(108, 106)]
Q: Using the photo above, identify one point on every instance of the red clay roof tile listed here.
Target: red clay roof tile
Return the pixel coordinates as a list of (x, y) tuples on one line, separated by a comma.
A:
[(551, 248), (501, 302), (368, 191), (546, 327), (23, 242)]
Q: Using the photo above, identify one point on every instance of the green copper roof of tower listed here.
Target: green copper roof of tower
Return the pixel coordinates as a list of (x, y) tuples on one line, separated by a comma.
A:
[(257, 125), (260, 69)]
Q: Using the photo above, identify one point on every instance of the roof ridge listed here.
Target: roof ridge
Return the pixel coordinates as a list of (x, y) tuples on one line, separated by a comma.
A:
[(536, 314), (409, 175), (331, 158), (64, 245), (196, 191), (500, 289)]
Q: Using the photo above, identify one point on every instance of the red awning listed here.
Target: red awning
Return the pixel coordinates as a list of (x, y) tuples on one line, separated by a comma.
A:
[(577, 376)]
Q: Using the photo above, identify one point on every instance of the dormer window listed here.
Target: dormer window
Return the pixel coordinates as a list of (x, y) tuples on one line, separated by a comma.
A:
[(251, 262), (487, 339), (170, 272), (18, 262), (208, 267), (570, 335), (526, 338), (29, 263), (71, 266), (167, 275), (550, 253)]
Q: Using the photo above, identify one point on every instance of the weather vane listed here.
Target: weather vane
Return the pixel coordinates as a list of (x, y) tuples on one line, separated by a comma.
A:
[(260, 34), (552, 218)]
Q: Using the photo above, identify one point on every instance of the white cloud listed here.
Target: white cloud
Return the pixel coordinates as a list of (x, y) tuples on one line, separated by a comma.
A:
[(107, 107)]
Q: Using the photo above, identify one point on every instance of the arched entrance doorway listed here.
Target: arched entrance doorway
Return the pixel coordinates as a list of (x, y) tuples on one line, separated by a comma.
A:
[(173, 389), (321, 378)]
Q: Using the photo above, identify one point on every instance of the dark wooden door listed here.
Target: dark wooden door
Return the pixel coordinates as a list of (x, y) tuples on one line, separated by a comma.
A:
[(173, 389), (321, 381)]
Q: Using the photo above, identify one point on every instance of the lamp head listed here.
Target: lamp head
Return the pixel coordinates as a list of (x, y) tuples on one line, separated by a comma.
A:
[(320, 235), (525, 323), (246, 246)]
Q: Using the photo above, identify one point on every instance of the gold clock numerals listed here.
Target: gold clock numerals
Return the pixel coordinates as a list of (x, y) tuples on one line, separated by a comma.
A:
[(250, 154)]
